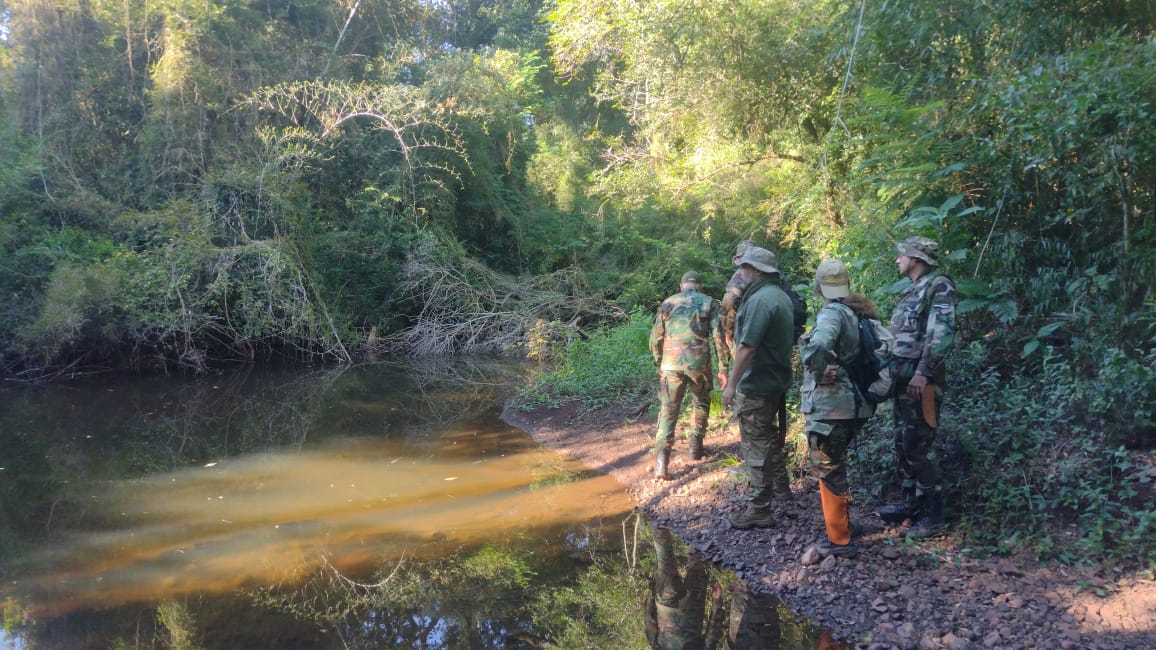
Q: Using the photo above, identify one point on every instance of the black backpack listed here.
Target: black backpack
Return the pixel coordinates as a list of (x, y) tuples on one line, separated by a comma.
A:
[(870, 367), (798, 308)]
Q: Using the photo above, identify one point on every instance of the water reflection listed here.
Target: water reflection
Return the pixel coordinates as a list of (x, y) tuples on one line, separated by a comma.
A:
[(381, 506), (692, 605)]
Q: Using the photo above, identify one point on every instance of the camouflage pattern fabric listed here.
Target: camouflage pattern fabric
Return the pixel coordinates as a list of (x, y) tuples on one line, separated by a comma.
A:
[(924, 327), (680, 341), (834, 337), (924, 324), (677, 605), (762, 449), (684, 327), (828, 453), (729, 306), (672, 387), (914, 441)]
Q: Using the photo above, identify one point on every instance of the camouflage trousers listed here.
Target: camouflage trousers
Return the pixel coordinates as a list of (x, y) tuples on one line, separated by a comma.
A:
[(763, 451), (827, 443), (672, 386), (914, 442)]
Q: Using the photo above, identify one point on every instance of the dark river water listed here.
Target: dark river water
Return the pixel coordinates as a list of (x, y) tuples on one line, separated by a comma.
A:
[(382, 506)]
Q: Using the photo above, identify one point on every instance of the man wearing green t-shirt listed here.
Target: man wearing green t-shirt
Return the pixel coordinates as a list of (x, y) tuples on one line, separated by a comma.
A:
[(759, 378)]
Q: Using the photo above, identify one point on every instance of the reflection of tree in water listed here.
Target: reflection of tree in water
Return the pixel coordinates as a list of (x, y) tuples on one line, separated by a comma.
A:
[(490, 597)]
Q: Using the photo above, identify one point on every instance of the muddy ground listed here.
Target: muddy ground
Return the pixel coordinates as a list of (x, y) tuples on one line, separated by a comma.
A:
[(894, 594)]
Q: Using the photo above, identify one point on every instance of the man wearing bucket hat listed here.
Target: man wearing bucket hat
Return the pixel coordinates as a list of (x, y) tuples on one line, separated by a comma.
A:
[(680, 343), (923, 324), (759, 378), (833, 409)]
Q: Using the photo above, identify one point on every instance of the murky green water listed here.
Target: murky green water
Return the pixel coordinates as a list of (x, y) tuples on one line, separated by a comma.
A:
[(371, 507)]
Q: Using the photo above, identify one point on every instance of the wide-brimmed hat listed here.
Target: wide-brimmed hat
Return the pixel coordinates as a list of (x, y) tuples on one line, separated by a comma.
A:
[(832, 279), (920, 248), (690, 276), (760, 258), (742, 247)]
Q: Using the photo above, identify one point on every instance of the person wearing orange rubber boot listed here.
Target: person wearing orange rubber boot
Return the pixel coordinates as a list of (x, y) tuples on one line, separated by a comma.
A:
[(833, 408)]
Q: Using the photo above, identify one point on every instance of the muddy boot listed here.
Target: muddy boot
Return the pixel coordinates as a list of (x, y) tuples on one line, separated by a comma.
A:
[(752, 517), (695, 448), (660, 465), (900, 512), (826, 548), (930, 521)]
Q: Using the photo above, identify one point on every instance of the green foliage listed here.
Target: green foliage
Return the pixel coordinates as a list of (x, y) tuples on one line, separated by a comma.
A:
[(609, 365), (1038, 464)]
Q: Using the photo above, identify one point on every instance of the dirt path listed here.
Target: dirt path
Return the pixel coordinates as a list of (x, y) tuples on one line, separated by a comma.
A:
[(893, 595)]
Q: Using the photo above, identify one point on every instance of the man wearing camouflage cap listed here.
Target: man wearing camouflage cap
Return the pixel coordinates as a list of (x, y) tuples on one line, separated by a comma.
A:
[(680, 343), (923, 324), (760, 377)]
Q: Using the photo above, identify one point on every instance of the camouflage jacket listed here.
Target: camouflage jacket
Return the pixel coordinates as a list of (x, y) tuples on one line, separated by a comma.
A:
[(833, 340), (682, 333), (924, 327)]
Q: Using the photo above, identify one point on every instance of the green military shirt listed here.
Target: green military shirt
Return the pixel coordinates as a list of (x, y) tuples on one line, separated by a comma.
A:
[(765, 322)]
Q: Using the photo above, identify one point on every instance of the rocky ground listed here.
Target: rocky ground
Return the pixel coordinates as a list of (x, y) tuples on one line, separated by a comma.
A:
[(894, 594)]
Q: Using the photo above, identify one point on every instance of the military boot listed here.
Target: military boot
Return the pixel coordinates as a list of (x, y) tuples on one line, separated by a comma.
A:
[(695, 448), (660, 465), (930, 520), (752, 517), (899, 512)]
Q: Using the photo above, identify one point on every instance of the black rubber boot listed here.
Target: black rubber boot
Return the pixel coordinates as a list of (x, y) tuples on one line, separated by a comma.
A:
[(930, 521), (660, 465), (900, 512), (695, 448)]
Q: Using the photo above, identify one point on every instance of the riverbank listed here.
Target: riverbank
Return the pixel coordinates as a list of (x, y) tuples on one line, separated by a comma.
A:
[(893, 595)]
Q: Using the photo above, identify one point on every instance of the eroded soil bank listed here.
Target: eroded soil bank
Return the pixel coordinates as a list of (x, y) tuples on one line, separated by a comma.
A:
[(893, 595)]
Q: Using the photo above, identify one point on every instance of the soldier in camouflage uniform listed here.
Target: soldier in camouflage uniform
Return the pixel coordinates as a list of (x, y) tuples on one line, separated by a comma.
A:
[(680, 342), (833, 409), (760, 377), (924, 328)]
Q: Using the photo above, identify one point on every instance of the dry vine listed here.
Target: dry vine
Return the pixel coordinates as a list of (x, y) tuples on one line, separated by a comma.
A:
[(469, 308)]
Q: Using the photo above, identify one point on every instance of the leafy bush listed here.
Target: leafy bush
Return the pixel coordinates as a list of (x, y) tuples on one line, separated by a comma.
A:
[(611, 364), (1035, 463)]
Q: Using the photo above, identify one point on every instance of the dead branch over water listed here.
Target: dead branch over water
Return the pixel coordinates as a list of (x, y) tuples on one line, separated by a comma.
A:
[(464, 307)]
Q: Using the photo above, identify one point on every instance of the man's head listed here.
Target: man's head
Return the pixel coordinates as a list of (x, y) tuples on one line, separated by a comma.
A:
[(742, 248), (832, 280), (690, 280), (755, 262), (914, 254)]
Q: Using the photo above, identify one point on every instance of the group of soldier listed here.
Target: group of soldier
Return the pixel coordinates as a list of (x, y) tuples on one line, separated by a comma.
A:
[(754, 336)]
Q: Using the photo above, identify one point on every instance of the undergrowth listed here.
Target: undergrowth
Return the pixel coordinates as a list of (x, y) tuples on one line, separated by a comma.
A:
[(1039, 463), (611, 364)]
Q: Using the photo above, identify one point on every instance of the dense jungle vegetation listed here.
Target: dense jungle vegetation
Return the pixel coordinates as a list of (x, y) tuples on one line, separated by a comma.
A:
[(188, 183)]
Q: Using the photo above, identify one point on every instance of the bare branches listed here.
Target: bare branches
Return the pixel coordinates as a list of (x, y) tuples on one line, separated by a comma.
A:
[(469, 308)]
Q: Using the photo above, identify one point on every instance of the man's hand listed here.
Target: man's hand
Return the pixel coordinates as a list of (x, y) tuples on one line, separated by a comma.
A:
[(916, 387), (728, 396), (722, 380)]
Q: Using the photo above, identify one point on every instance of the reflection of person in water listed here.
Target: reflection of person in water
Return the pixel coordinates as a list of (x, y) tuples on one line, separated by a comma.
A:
[(754, 621), (676, 608), (679, 615)]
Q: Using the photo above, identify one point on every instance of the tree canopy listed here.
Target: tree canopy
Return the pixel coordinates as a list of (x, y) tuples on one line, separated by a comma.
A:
[(189, 181)]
